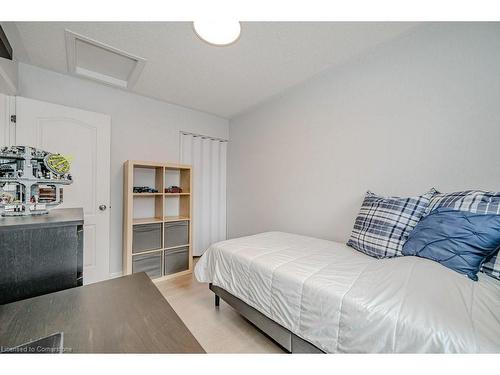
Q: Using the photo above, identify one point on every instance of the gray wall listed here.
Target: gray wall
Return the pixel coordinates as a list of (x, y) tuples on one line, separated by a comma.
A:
[(141, 128), (420, 111)]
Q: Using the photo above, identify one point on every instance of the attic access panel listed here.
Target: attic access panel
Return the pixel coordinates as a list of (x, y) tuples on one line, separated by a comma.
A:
[(97, 61), (5, 47)]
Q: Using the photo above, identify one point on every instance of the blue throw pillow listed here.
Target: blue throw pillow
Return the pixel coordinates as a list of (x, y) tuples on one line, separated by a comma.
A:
[(478, 202), (459, 240)]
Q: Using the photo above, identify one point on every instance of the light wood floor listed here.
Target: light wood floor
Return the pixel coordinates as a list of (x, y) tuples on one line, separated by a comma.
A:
[(220, 330)]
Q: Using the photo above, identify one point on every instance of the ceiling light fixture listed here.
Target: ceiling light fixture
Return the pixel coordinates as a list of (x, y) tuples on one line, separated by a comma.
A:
[(221, 33)]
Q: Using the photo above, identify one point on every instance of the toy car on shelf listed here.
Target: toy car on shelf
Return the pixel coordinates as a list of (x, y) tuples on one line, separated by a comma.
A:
[(31, 180), (144, 189), (173, 189)]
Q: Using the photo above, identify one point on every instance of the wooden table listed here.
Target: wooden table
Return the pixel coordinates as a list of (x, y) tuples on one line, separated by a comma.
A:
[(123, 315)]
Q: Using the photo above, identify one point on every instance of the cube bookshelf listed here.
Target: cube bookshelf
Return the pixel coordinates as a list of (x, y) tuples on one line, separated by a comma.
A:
[(157, 226)]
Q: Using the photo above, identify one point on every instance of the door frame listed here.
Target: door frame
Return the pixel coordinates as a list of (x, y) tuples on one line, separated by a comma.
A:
[(7, 126)]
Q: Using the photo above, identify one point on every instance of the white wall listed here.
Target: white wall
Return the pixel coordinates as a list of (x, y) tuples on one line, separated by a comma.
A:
[(8, 76), (420, 111), (141, 128)]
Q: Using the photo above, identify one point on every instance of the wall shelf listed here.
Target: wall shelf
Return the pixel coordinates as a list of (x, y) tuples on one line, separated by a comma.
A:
[(147, 220), (169, 219), (148, 215)]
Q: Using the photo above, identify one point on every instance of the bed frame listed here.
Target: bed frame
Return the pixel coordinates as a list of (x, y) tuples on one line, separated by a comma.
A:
[(282, 336)]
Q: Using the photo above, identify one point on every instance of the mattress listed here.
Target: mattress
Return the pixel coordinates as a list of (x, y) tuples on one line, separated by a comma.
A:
[(343, 301)]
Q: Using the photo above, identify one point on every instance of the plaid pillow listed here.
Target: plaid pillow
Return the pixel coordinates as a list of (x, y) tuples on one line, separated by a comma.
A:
[(383, 224), (492, 266), (475, 201)]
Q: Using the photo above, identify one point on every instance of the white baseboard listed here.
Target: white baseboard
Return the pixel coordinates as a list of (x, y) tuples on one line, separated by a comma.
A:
[(114, 275)]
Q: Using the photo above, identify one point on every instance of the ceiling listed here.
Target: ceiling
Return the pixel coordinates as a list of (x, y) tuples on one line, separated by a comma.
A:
[(268, 58)]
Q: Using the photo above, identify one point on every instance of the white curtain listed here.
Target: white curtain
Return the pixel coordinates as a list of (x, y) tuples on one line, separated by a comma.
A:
[(207, 156)]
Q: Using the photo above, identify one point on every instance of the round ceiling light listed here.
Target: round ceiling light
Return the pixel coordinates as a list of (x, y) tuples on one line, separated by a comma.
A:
[(220, 33)]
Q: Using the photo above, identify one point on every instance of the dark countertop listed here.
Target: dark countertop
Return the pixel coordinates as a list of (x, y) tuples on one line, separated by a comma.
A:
[(123, 315), (55, 218)]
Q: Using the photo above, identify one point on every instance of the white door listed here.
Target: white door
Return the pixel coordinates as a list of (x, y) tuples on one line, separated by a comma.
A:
[(84, 137)]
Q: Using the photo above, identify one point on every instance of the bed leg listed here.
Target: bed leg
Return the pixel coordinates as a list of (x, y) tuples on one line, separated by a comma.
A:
[(217, 300)]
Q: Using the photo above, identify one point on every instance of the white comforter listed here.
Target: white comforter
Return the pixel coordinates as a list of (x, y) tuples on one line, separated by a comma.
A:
[(344, 301)]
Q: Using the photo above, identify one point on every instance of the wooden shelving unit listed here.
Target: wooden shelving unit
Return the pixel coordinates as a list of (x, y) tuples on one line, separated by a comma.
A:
[(169, 214)]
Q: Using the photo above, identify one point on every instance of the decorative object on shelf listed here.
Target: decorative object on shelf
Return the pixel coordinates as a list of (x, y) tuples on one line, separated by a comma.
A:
[(144, 189), (173, 189), (31, 180)]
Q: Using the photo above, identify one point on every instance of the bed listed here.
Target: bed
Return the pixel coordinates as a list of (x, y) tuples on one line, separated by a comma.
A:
[(332, 298)]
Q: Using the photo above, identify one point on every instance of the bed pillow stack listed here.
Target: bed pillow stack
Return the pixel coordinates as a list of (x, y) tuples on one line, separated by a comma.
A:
[(459, 230), (480, 203), (384, 223)]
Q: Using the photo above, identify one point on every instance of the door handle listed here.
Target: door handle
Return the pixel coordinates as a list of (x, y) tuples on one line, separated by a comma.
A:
[(102, 207)]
